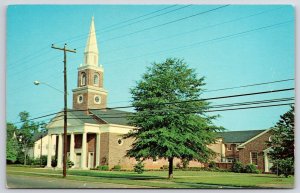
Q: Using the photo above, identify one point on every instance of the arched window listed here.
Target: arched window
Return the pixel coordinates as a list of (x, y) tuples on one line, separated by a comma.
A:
[(96, 79), (83, 79)]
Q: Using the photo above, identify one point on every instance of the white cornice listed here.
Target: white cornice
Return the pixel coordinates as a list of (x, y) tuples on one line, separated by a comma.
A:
[(90, 89), (93, 67)]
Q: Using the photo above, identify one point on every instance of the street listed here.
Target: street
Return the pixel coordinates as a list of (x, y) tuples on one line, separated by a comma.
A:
[(18, 181)]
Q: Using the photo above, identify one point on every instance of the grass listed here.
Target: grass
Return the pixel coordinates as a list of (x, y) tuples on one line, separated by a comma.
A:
[(158, 179)]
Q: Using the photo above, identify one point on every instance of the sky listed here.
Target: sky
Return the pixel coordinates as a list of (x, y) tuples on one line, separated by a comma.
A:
[(230, 46)]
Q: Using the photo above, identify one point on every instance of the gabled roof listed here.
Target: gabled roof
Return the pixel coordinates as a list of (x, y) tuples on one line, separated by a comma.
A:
[(112, 116), (238, 136), (74, 118), (39, 135)]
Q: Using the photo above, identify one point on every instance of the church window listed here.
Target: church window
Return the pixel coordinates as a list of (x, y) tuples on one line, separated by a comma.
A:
[(97, 99), (80, 99), (83, 79), (96, 79), (120, 141), (253, 157)]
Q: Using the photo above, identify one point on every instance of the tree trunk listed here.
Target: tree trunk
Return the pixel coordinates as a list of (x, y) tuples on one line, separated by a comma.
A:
[(25, 158), (170, 167)]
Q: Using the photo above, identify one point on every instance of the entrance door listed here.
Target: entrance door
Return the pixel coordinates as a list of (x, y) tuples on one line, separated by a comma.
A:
[(91, 160), (78, 160)]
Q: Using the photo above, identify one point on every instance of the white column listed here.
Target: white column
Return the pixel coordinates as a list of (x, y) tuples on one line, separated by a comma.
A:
[(222, 152), (49, 158), (72, 152), (60, 151), (83, 151), (98, 150), (266, 162)]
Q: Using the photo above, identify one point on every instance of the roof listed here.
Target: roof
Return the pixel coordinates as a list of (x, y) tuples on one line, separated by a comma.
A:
[(112, 116), (39, 135), (238, 136)]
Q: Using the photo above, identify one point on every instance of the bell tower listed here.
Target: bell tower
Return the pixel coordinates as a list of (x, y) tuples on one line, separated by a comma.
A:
[(90, 93)]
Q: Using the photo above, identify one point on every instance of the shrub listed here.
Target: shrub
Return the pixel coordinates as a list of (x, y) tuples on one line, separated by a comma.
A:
[(164, 167), (70, 163), (53, 162), (212, 164), (103, 167), (185, 163), (251, 168), (285, 167), (178, 165), (40, 161), (116, 168), (139, 167), (237, 167)]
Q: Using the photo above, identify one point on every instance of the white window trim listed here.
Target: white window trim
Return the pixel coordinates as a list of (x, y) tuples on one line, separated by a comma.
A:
[(122, 141), (99, 99), (251, 157), (78, 101), (96, 84)]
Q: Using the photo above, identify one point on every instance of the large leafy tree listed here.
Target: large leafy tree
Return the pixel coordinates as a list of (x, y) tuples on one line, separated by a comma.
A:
[(170, 119), (11, 143), (26, 132), (282, 143)]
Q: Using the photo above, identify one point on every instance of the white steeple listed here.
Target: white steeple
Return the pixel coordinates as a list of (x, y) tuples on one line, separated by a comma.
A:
[(91, 53)]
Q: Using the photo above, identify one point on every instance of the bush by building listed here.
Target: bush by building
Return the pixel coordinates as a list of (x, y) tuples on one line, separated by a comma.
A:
[(117, 168), (237, 167), (251, 168), (139, 167)]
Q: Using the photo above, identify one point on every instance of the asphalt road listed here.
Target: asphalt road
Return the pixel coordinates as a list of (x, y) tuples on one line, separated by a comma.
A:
[(18, 181)]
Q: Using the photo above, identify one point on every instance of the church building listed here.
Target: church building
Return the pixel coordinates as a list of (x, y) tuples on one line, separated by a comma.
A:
[(94, 132)]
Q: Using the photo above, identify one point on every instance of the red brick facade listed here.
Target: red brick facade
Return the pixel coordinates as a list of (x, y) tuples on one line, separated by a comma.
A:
[(257, 145)]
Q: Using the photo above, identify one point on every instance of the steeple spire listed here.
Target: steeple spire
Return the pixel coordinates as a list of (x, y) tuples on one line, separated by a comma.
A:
[(91, 49)]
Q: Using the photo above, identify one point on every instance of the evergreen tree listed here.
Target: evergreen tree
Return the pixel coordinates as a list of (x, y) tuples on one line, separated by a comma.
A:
[(169, 117), (11, 143), (282, 143)]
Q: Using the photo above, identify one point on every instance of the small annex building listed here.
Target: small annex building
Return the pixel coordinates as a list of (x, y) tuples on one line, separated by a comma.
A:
[(245, 146)]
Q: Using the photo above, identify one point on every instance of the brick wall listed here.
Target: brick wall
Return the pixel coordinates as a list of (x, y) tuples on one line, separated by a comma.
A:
[(90, 77), (257, 145), (104, 151), (88, 100)]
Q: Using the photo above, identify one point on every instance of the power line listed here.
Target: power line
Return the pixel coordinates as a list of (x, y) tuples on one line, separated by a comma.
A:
[(194, 30), (197, 100), (39, 53), (181, 110), (204, 111), (76, 38), (177, 102), (209, 107), (147, 18), (202, 42), (249, 85), (163, 24)]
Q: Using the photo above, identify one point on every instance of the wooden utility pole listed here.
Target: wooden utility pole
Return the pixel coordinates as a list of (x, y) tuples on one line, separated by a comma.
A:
[(65, 105)]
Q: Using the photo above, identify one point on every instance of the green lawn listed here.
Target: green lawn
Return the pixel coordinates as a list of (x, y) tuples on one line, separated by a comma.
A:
[(158, 179)]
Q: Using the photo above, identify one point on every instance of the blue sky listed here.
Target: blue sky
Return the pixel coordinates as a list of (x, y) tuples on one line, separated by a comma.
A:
[(230, 46)]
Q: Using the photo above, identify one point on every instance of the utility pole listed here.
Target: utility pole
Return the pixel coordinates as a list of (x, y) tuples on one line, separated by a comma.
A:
[(65, 105)]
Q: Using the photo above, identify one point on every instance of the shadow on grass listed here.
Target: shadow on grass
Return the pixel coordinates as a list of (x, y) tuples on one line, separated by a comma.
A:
[(213, 186), (115, 176), (268, 176)]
